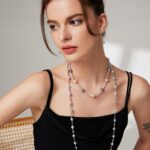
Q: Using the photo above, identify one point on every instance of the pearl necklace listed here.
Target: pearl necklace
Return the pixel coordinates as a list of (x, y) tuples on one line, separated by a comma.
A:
[(83, 90), (69, 70)]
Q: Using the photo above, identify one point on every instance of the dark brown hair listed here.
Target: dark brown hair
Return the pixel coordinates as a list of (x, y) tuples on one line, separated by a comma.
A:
[(96, 5)]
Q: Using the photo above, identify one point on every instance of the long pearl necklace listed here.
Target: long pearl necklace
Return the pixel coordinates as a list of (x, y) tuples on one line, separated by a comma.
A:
[(83, 90), (69, 71)]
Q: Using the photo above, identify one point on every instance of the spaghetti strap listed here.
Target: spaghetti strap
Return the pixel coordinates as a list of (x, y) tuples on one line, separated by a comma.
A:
[(51, 87), (130, 78)]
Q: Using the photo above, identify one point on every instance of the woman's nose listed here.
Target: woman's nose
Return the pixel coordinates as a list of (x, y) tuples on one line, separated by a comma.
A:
[(65, 35)]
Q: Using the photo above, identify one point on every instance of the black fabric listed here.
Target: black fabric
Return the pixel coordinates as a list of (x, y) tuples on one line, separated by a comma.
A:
[(53, 132), (129, 87)]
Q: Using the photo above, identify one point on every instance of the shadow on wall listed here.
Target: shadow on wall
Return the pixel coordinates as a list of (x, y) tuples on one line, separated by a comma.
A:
[(129, 24)]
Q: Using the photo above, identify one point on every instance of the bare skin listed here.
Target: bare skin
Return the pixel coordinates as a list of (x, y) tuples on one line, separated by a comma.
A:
[(33, 91)]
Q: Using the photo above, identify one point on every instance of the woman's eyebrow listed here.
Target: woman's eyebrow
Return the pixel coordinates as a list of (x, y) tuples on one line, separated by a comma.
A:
[(68, 18)]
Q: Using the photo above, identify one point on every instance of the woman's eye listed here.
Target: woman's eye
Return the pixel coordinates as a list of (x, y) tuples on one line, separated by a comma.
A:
[(52, 27), (75, 22)]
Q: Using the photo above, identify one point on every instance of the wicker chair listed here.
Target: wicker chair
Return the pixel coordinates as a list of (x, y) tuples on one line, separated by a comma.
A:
[(17, 135)]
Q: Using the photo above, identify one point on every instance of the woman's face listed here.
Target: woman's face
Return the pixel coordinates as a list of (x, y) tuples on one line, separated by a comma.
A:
[(69, 31)]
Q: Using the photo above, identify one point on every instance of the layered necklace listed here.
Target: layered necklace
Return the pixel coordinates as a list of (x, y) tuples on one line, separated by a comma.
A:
[(109, 70), (83, 90)]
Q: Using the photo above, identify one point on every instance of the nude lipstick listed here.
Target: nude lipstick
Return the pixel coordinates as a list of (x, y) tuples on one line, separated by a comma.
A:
[(69, 49)]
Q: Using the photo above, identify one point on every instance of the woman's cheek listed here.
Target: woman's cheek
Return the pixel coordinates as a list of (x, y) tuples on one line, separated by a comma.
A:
[(80, 34), (55, 38)]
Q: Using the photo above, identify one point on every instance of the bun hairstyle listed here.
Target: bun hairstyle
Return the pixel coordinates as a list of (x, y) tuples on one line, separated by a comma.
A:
[(96, 5)]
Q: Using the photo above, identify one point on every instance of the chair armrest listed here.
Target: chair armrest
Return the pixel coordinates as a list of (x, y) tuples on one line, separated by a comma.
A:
[(17, 134)]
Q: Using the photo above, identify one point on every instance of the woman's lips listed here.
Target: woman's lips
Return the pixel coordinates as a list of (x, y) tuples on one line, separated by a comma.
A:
[(69, 50)]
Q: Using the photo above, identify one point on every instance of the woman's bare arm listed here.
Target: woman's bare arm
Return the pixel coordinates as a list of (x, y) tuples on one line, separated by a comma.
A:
[(26, 95), (141, 110)]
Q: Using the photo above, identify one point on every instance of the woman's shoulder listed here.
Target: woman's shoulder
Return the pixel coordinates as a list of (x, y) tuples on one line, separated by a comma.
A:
[(38, 84), (140, 89), (140, 86), (38, 79)]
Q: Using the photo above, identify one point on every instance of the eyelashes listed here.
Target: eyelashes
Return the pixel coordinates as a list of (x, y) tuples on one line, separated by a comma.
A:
[(52, 27), (74, 22)]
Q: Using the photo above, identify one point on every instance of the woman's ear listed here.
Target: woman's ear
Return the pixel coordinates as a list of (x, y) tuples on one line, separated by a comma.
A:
[(102, 25)]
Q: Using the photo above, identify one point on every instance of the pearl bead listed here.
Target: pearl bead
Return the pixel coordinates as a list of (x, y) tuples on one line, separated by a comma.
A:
[(106, 80), (112, 71), (72, 127), (112, 144), (114, 120), (75, 81)]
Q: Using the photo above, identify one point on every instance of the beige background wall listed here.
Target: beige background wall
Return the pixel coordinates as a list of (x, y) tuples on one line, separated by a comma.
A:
[(22, 50)]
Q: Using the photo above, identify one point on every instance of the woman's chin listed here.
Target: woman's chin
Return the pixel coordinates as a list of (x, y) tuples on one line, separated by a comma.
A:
[(75, 58)]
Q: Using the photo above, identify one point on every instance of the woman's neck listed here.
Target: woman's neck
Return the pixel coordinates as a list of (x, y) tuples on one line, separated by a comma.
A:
[(91, 72)]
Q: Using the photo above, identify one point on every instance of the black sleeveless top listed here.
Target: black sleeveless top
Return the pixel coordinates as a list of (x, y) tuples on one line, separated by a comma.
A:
[(53, 132)]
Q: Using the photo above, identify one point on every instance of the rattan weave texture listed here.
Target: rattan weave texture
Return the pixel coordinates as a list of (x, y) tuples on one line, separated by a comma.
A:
[(17, 135)]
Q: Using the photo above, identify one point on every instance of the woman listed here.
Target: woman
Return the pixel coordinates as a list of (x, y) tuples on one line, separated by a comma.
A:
[(83, 103)]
